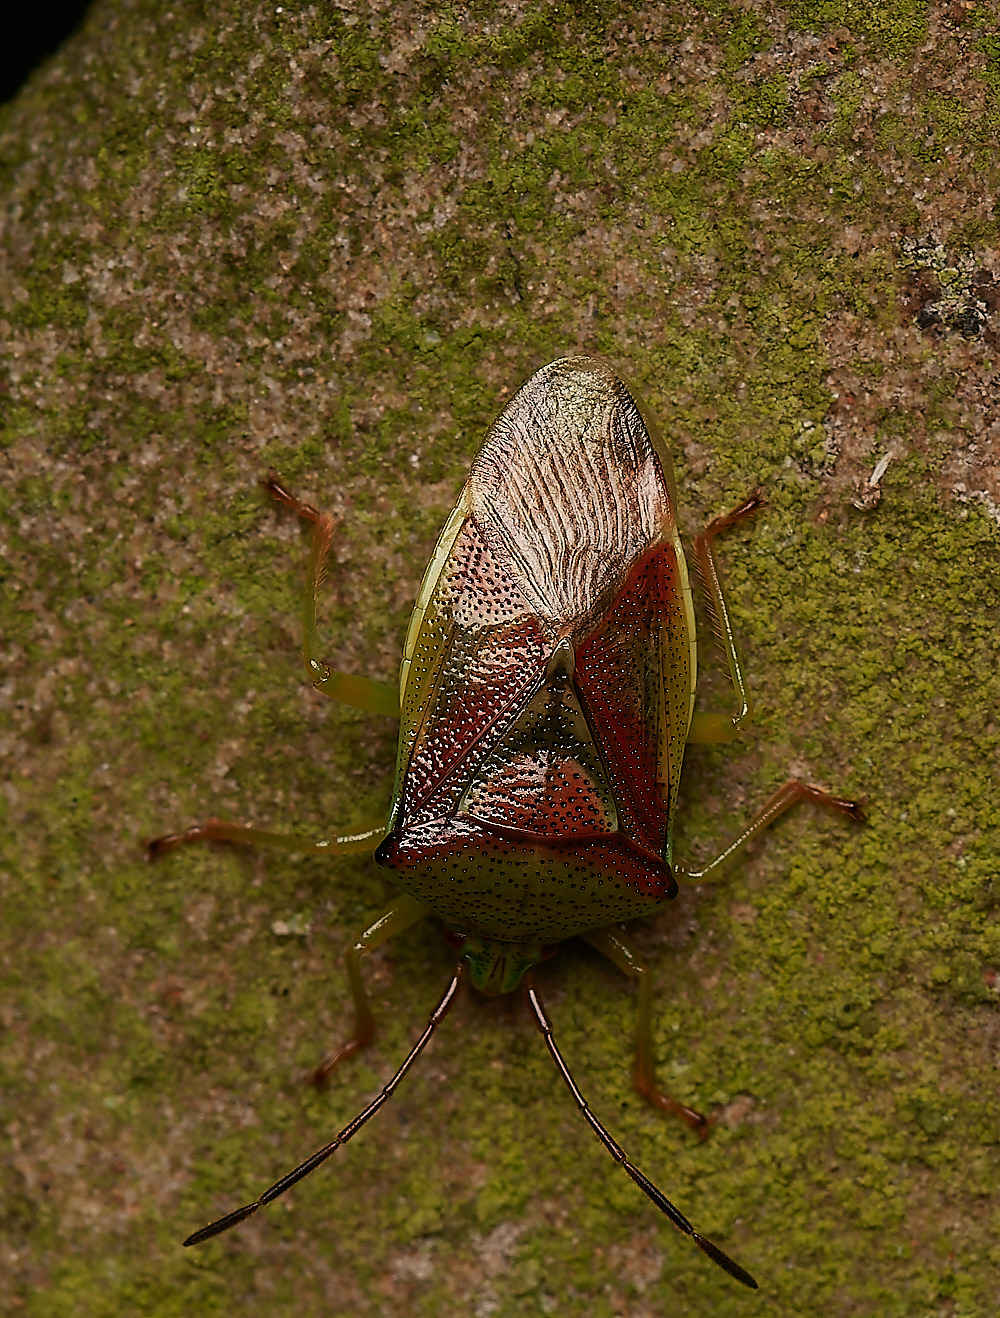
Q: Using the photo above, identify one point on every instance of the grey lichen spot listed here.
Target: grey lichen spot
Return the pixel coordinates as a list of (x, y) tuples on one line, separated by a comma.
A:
[(955, 293)]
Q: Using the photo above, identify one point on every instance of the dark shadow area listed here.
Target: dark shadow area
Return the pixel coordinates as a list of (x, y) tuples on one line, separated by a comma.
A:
[(34, 32)]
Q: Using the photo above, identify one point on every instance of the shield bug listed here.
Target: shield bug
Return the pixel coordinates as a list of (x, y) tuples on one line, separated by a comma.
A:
[(545, 696)]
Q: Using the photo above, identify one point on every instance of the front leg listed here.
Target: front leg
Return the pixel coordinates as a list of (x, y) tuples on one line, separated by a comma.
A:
[(396, 917), (611, 943)]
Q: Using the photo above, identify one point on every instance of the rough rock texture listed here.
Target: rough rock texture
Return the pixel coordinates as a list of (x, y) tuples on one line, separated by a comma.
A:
[(333, 239)]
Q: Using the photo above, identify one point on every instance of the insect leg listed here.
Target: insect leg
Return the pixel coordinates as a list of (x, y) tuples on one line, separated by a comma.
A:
[(241, 835), (783, 799), (396, 917), (348, 688), (709, 727), (657, 1196), (293, 1177), (610, 943)]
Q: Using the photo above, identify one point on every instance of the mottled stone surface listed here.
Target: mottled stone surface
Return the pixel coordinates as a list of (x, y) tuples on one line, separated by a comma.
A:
[(333, 240)]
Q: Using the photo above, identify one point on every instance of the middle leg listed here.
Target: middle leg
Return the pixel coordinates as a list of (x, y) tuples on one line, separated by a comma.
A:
[(242, 835), (783, 799)]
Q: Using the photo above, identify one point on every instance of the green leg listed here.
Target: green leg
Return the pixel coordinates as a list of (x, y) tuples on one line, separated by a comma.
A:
[(610, 943), (361, 692), (707, 727), (223, 830), (783, 799), (396, 917)]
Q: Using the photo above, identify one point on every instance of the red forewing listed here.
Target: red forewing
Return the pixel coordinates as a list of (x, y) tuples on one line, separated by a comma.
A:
[(548, 677)]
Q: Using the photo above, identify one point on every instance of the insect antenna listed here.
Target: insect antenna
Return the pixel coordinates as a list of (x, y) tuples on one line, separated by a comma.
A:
[(618, 1153), (349, 1131)]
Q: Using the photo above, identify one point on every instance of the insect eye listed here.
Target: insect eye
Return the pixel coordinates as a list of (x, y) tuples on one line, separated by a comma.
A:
[(455, 940), (547, 950)]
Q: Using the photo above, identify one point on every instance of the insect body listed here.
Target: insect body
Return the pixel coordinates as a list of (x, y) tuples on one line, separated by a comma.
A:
[(546, 689), (546, 695)]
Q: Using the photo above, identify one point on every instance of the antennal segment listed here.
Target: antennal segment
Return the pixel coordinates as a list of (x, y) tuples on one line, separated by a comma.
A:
[(349, 1131), (618, 1153)]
